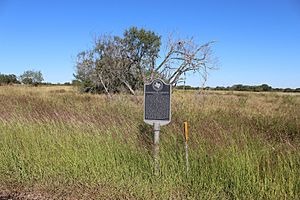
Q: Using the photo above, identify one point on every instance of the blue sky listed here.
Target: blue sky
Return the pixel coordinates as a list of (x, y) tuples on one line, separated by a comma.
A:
[(258, 40)]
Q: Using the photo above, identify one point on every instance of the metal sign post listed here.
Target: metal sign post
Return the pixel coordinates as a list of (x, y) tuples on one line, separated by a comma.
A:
[(156, 127), (157, 111)]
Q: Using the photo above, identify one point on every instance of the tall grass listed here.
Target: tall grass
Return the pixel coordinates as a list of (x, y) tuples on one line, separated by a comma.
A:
[(242, 146)]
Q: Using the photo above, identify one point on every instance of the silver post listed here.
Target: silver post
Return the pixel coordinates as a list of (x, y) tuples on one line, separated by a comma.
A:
[(156, 147)]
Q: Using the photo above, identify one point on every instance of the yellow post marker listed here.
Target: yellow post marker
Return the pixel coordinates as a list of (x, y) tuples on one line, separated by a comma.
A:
[(186, 134)]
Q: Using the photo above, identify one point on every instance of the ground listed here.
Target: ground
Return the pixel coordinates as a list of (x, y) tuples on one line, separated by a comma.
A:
[(57, 143)]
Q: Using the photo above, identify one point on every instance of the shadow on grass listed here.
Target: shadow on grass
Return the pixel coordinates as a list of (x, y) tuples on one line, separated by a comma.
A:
[(145, 137)]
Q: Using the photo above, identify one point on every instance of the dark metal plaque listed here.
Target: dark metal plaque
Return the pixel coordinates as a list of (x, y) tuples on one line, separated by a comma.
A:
[(157, 102)]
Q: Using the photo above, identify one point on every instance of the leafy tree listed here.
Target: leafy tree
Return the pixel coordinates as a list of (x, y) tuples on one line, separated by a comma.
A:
[(31, 77), (116, 63), (143, 48)]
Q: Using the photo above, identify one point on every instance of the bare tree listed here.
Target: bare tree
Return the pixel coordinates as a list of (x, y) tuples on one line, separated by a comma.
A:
[(184, 56)]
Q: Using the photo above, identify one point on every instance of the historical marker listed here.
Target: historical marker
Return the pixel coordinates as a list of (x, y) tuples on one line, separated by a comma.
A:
[(157, 104), (157, 110)]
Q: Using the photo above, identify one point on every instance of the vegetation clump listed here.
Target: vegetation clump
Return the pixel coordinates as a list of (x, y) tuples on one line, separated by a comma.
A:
[(8, 79)]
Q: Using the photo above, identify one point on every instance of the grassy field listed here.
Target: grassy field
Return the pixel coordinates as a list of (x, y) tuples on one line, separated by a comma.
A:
[(58, 143)]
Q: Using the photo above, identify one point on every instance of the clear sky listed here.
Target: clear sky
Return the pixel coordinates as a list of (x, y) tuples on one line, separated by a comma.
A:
[(258, 40)]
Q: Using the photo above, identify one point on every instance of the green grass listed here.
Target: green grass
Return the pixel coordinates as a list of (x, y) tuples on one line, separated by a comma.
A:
[(242, 146)]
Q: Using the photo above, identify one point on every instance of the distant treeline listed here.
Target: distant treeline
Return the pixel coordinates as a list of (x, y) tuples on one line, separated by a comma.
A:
[(240, 87), (29, 77), (8, 79)]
